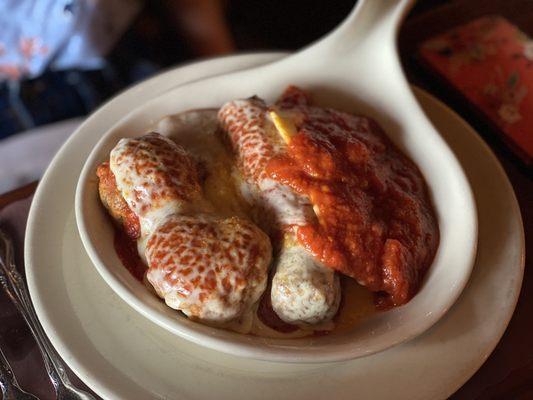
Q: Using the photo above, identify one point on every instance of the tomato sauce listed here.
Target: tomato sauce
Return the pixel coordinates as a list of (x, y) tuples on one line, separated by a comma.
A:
[(375, 222), (268, 316), (126, 249)]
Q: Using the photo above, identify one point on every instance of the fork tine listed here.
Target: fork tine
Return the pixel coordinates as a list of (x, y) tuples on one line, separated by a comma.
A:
[(15, 287)]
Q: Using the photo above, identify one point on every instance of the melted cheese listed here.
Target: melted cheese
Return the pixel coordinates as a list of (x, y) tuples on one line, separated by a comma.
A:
[(156, 178), (303, 290), (256, 140), (285, 126), (210, 268)]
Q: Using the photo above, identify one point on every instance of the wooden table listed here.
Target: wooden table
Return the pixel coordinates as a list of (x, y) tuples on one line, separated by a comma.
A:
[(508, 373)]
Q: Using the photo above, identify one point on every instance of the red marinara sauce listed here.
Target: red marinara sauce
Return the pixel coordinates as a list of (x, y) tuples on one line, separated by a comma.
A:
[(126, 249), (375, 222)]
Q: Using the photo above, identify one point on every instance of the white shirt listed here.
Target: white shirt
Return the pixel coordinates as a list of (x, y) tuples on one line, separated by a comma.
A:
[(59, 34)]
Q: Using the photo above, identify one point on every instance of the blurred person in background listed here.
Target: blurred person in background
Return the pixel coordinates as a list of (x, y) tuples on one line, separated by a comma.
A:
[(61, 58)]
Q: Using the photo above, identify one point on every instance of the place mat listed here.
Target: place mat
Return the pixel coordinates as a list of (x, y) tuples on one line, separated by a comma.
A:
[(15, 337)]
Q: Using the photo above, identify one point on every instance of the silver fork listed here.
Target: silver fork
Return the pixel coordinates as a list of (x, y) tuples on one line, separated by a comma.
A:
[(16, 289), (8, 383)]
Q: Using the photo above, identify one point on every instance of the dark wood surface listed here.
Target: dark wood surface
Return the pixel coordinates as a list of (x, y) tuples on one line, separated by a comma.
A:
[(17, 194), (508, 372)]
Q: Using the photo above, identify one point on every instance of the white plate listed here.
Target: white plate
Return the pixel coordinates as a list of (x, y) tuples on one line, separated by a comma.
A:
[(120, 354), (447, 186)]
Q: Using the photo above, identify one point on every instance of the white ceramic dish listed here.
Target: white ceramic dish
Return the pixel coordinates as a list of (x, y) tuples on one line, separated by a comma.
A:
[(448, 187), (122, 355)]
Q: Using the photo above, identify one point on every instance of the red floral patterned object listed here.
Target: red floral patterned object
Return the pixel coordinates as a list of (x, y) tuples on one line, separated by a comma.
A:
[(490, 61)]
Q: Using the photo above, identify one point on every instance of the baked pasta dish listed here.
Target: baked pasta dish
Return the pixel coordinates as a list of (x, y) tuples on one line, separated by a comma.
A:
[(278, 220)]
